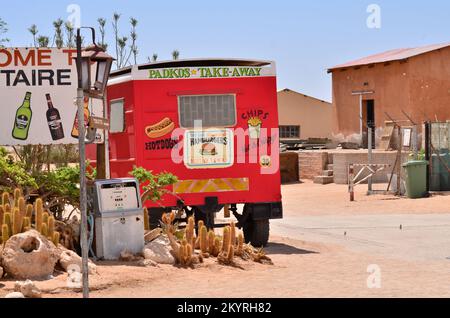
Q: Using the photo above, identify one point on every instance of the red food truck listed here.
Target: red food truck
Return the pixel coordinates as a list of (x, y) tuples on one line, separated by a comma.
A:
[(214, 124)]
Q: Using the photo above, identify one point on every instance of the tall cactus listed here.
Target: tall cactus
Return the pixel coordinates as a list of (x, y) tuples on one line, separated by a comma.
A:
[(26, 224), (226, 239), (190, 229), (44, 229), (51, 226), (17, 195), (230, 254), (7, 208), (22, 205), (45, 217), (39, 214), (56, 237), (17, 221), (217, 246)]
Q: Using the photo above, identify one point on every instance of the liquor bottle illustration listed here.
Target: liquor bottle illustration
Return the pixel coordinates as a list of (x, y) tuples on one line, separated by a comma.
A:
[(87, 115), (54, 120), (23, 119)]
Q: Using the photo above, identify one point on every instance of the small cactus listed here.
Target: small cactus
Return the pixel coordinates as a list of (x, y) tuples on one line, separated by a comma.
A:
[(217, 246), (146, 220), (211, 242), (2, 212), (181, 252), (45, 216), (56, 237), (230, 254), (7, 220), (39, 214), (5, 233), (233, 234), (26, 224), (22, 205), (5, 198), (226, 239), (51, 226), (203, 239), (240, 247), (29, 213), (7, 208), (44, 229)]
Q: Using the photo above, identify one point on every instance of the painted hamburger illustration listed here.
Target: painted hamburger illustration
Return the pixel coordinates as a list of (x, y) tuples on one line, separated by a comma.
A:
[(254, 127), (208, 149), (160, 129)]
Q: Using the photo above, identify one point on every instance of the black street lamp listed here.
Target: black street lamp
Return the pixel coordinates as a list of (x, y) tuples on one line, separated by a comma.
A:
[(93, 57)]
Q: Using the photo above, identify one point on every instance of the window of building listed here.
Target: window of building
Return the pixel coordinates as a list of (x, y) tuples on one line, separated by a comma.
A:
[(289, 131), (117, 116), (212, 110)]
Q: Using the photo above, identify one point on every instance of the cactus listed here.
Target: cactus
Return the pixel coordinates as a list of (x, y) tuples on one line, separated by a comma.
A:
[(7, 208), (233, 234), (217, 245), (17, 195), (211, 242), (17, 222), (200, 224), (45, 216), (2, 213), (22, 206), (51, 226), (5, 198), (240, 247), (203, 239), (7, 220), (44, 229), (146, 220), (55, 239), (5, 233), (26, 224), (39, 214), (181, 252), (29, 213), (189, 233), (226, 239), (230, 254)]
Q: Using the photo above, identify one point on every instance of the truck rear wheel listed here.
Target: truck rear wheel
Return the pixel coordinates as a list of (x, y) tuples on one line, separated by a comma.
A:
[(256, 232)]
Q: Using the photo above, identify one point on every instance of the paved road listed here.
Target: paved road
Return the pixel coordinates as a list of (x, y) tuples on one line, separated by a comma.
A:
[(410, 237)]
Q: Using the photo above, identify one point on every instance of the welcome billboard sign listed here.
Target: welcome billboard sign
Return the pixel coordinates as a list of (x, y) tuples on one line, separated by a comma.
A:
[(37, 97)]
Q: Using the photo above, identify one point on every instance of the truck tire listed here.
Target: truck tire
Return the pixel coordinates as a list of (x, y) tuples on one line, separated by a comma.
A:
[(256, 232)]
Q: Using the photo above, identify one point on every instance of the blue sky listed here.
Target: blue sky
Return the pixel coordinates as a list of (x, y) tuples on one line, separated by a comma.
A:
[(303, 37)]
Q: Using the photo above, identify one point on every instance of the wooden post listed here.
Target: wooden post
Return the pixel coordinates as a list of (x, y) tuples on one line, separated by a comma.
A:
[(399, 161), (101, 162), (351, 175)]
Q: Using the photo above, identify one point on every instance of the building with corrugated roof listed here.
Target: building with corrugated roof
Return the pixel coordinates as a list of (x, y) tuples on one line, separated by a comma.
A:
[(302, 117), (415, 81)]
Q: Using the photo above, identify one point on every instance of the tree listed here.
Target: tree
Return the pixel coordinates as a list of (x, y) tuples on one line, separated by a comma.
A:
[(70, 42), (115, 24), (43, 41), (34, 31), (59, 38), (102, 29), (133, 35), (3, 30), (175, 55)]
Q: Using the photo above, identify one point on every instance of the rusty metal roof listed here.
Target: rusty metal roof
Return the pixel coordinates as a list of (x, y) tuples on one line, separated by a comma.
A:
[(389, 56)]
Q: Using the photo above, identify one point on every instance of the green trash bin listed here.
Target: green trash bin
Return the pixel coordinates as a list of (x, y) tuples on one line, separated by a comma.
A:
[(416, 179)]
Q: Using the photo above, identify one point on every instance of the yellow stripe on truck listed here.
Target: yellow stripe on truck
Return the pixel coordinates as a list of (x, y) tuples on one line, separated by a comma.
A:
[(212, 185)]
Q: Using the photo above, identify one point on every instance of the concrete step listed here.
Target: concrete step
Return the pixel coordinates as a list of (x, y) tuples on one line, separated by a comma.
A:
[(324, 179), (327, 173), (330, 167)]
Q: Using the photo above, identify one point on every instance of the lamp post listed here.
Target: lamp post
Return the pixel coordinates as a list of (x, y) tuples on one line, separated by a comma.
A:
[(86, 59)]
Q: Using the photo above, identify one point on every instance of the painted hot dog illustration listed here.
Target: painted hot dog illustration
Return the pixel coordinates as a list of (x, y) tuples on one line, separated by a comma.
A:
[(160, 129)]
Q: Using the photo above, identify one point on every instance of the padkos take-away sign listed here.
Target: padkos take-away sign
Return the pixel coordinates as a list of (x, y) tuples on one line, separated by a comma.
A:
[(38, 88)]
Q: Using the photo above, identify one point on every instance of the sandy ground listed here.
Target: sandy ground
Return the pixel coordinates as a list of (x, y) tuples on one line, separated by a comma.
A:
[(302, 267)]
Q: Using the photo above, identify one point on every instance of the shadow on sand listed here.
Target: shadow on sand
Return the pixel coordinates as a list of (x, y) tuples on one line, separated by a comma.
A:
[(283, 249)]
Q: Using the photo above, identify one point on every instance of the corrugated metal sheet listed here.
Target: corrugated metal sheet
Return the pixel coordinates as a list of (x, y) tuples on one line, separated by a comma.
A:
[(389, 56)]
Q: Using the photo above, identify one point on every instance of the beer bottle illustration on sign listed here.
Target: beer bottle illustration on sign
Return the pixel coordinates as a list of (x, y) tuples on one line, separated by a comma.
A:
[(87, 115), (23, 119), (54, 120)]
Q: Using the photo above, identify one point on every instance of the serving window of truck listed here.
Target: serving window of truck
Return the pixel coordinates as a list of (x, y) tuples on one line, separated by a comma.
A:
[(214, 124)]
